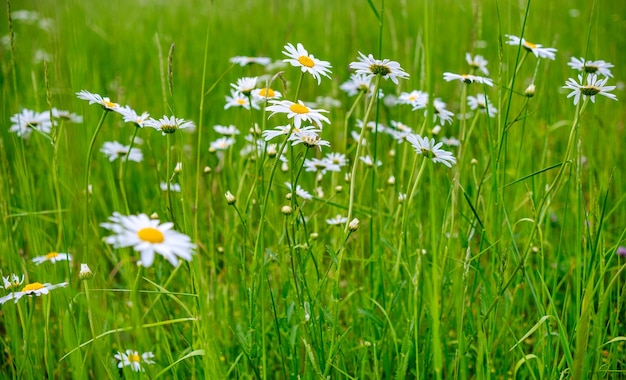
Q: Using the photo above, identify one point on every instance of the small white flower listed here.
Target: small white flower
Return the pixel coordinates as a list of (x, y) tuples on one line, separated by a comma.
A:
[(428, 148), (300, 57), (27, 121), (467, 78), (309, 137), (337, 220), (13, 281), (130, 116), (266, 93), (237, 99), (134, 360), (168, 124), (299, 191), (32, 289), (593, 87), (477, 63), (175, 187), (599, 67), (230, 130), (67, 116), (299, 112), (243, 60), (417, 99), (538, 50), (222, 143), (358, 82), (481, 102), (52, 257), (115, 150), (370, 67), (368, 161), (105, 102), (244, 85)]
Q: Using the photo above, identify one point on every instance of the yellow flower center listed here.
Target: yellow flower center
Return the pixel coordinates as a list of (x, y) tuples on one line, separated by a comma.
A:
[(32, 287), (530, 45), (151, 235), (52, 255), (241, 102), (306, 61), (109, 104), (298, 108), (267, 92), (134, 358)]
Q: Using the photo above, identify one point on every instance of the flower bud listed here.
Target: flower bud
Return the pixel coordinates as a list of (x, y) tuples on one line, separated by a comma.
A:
[(230, 198), (354, 225), (530, 91), (85, 272), (286, 209)]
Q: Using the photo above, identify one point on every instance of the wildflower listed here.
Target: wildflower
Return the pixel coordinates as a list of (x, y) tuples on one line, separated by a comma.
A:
[(450, 141), (621, 251), (27, 121), (440, 112), (368, 161), (244, 85), (133, 359), (85, 272), (467, 78), (593, 87), (372, 126), (266, 93), (401, 197), (115, 150), (428, 148), (591, 67), (477, 63), (222, 143), (52, 257), (358, 82), (243, 60), (130, 116), (299, 191), (338, 159), (530, 91), (308, 137), (105, 102), (299, 57), (337, 220), (32, 289), (286, 209), (147, 236), (538, 50), (399, 130), (324, 102), (13, 281), (66, 115), (481, 102), (298, 112), (415, 98), (270, 134), (354, 225), (236, 99), (371, 67), (175, 187), (230, 198), (169, 124), (230, 130)]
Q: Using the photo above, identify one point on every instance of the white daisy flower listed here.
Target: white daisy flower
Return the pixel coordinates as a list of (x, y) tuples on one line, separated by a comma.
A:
[(105, 102), (320, 165), (148, 236), (243, 60), (175, 187), (368, 161), (237, 99), (115, 150), (265, 93), (417, 99), (337, 220), (222, 143), (130, 116), (270, 134), (299, 112), (300, 191), (245, 85), (370, 67), (66, 116), (593, 87), (168, 124), (299, 57), (538, 50), (372, 126), (134, 360), (399, 130), (467, 78), (230, 130), (477, 63), (440, 112), (481, 102), (428, 148), (591, 67), (13, 281), (358, 82), (27, 121), (309, 137), (450, 141), (52, 257), (85, 272), (338, 159), (32, 289)]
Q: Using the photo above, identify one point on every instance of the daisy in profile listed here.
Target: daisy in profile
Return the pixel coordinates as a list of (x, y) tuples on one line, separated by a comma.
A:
[(105, 102), (32, 289), (428, 148), (538, 50), (299, 57), (320, 165), (130, 116), (299, 192), (299, 112), (115, 150), (594, 86), (148, 236), (66, 116), (467, 78), (357, 83), (417, 99), (370, 67), (237, 99), (481, 102), (440, 111), (168, 124), (591, 67), (27, 121), (134, 360), (12, 282), (369, 162), (477, 63), (243, 60), (308, 136), (230, 130), (52, 257), (245, 85), (337, 220)]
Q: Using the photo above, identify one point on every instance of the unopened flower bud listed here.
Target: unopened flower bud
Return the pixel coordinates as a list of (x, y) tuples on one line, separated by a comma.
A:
[(178, 168), (230, 198), (354, 225), (286, 209), (530, 91), (207, 170), (154, 215), (391, 180), (85, 272)]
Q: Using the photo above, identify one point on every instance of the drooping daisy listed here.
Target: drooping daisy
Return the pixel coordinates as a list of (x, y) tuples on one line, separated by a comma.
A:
[(299, 112), (66, 116), (169, 124), (222, 143), (538, 50), (481, 102), (27, 121), (477, 63), (105, 102), (130, 116), (52, 257), (593, 87), (134, 360), (148, 236), (237, 99), (299, 57), (337, 220), (175, 187), (299, 191), (243, 60), (467, 78), (32, 289), (230, 130), (245, 85), (266, 93), (370, 67), (591, 67), (13, 281), (431, 150), (115, 150), (309, 137)]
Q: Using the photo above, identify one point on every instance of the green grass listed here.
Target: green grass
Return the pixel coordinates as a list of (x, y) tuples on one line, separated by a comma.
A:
[(503, 266)]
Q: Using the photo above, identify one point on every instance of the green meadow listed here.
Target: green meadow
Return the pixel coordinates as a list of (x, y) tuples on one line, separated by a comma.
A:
[(462, 228)]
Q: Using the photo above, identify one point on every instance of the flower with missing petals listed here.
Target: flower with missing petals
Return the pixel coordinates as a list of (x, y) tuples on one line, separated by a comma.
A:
[(134, 360), (593, 87), (309, 137), (299, 191), (13, 281), (371, 67), (27, 121), (237, 99), (538, 50), (300, 57)]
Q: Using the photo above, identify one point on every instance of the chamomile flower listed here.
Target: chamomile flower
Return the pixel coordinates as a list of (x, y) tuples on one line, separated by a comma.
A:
[(415, 98), (440, 112), (371, 67), (32, 289), (477, 63), (358, 82), (115, 150), (591, 67), (27, 121), (481, 102), (134, 360), (300, 57), (594, 86), (467, 78), (299, 191), (130, 116), (169, 124), (538, 50), (230, 130), (270, 134), (369, 162), (13, 281), (52, 257), (222, 143), (299, 112), (337, 220), (309, 137), (66, 116), (237, 99), (243, 60), (338, 159), (266, 93), (399, 130), (320, 165), (105, 102), (148, 236), (431, 150), (245, 85)]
